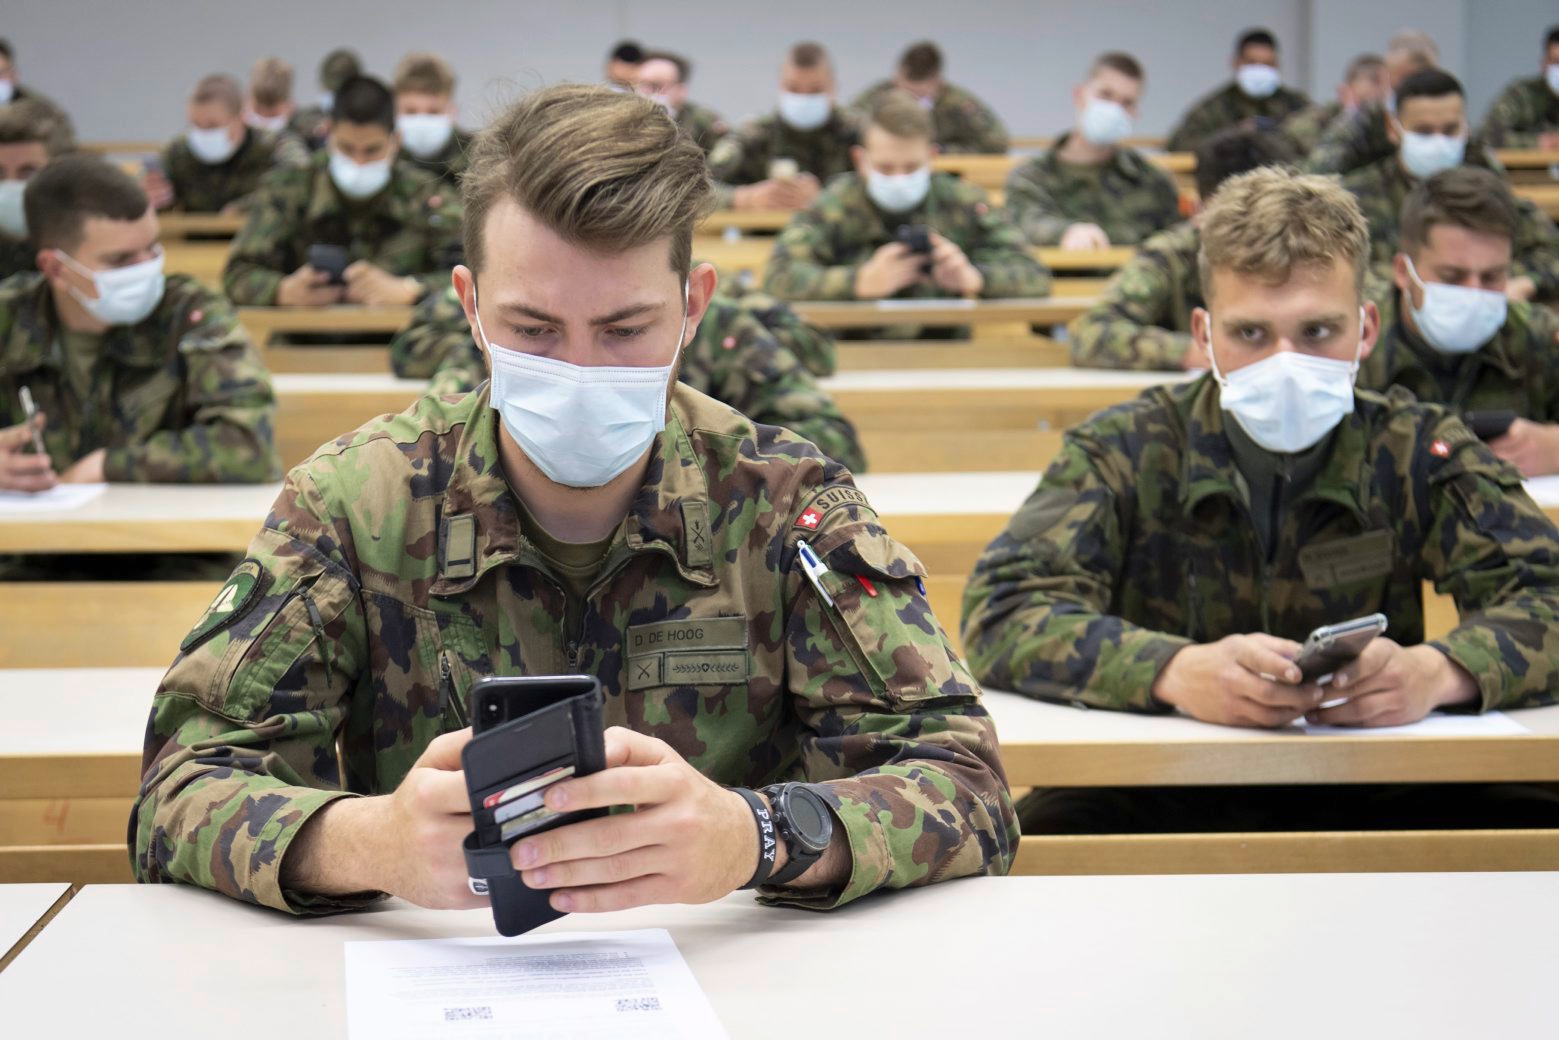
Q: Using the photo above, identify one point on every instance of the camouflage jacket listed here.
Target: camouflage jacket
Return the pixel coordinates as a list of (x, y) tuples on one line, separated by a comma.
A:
[(1515, 370), (16, 255), (1383, 186), (1229, 106), (1305, 128), (702, 125), (963, 122), (745, 155), (1128, 197), (1524, 110), (449, 164), (200, 187), (312, 125), (1143, 318), (412, 227), (180, 398), (1351, 140), (733, 358), (402, 541), (1139, 541), (814, 347)]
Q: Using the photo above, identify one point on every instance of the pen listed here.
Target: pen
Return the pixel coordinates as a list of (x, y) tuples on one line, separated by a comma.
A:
[(31, 411), (814, 570)]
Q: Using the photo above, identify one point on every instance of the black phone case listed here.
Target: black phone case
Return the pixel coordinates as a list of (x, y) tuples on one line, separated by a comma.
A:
[(1490, 425), (329, 259), (522, 726)]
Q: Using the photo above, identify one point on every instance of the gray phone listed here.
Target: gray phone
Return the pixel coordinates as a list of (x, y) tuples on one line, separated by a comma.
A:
[(1332, 646)]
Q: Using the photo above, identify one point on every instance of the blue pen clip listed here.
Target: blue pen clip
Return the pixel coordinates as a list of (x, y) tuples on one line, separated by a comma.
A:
[(814, 569)]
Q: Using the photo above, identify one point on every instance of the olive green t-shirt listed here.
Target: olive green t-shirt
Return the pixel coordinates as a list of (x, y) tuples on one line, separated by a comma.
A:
[(575, 564), (79, 352)]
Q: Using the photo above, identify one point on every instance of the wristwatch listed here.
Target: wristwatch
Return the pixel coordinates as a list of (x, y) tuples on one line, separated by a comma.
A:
[(805, 825)]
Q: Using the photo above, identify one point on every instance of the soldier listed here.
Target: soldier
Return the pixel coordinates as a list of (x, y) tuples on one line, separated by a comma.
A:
[(963, 122), (1458, 340), (270, 105), (622, 65), (1526, 114), (11, 90), (579, 510), (312, 124), (1091, 191), (29, 137), (1363, 83), (1182, 545), (781, 160), (399, 226), (136, 377), (425, 116), (1359, 138), (1255, 99), (1143, 318), (217, 163), (1429, 131), (663, 78), (848, 245)]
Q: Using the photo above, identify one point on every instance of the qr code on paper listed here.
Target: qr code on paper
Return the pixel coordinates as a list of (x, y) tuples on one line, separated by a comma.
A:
[(638, 1003), (468, 1014)]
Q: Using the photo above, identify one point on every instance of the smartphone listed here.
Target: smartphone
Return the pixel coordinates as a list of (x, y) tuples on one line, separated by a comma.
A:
[(1332, 646), (1490, 425), (329, 259), (917, 237), (784, 169)]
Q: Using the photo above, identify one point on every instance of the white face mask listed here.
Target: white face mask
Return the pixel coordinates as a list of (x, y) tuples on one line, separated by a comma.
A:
[(1425, 155), (7, 91), (125, 295), (901, 192), (1456, 319), (1289, 401), (1551, 74), (13, 216), (359, 180), (327, 101), (212, 147), (581, 426), (275, 124), (1104, 123), (805, 111), (1258, 81), (425, 135)]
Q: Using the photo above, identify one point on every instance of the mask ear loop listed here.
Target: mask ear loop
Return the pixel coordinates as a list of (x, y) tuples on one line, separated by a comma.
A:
[(1212, 359)]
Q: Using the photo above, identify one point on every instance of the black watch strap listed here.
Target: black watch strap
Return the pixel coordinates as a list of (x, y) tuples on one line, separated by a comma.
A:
[(768, 845)]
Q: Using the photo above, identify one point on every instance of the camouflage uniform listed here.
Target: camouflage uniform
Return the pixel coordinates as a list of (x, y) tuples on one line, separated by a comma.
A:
[(200, 187), (449, 164), (16, 255), (1524, 110), (702, 125), (963, 122), (180, 398), (813, 347), (733, 358), (1143, 318), (1350, 141), (1305, 128), (412, 227), (1140, 541), (1228, 107), (1127, 196), (1514, 370), (745, 155), (312, 125), (394, 570)]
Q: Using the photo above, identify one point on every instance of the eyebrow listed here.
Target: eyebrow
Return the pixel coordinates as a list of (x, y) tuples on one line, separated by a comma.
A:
[(621, 314), (1321, 319)]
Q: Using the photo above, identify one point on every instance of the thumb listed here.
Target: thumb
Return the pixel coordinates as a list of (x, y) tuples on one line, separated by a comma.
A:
[(14, 437), (624, 747), (444, 751)]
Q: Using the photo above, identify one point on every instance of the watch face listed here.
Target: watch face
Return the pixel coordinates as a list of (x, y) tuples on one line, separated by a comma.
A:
[(809, 817)]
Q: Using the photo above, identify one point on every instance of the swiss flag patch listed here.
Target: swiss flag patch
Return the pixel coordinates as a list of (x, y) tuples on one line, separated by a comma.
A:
[(810, 519), (1440, 449)]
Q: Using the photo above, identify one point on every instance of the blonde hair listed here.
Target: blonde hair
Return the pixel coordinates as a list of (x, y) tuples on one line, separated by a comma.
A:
[(424, 74), (220, 88), (270, 82), (902, 116), (1270, 222), (604, 170), (32, 122)]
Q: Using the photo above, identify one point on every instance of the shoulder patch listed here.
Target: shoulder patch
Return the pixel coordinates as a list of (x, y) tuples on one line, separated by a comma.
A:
[(237, 596), (826, 501)]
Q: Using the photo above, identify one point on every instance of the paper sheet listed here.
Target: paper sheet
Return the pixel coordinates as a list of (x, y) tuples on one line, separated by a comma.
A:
[(1544, 490), (1493, 724), (61, 498), (580, 986), (963, 303)]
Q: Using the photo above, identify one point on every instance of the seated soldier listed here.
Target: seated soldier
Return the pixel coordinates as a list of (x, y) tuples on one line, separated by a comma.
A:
[(1429, 131), (1182, 545), (858, 240), (1358, 138), (425, 115), (781, 160), (1526, 114), (137, 377), (29, 137), (1090, 191), (12, 90), (1364, 82), (622, 65), (217, 163), (1143, 317), (1450, 335), (399, 227), (269, 105), (961, 121), (312, 123), (582, 514), (1256, 99), (735, 358), (663, 78)]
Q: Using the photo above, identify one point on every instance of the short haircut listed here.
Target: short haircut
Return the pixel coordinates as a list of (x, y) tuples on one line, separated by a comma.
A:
[(921, 61), (1463, 196), (684, 67), (1417, 44), (60, 197), (902, 116), (1234, 151), (1552, 38), (424, 73), (1428, 83), (604, 170), (807, 55), (5, 49), (627, 51), (221, 89), (1121, 62), (1270, 223), (1255, 38), (1363, 65), (33, 122), (339, 66), (270, 82), (364, 101)]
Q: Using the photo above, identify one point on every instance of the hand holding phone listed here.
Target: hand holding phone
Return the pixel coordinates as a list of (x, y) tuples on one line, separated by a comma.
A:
[(1332, 646), (330, 260)]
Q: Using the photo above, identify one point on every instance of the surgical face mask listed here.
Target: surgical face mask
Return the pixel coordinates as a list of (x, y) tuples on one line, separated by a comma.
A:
[(327, 101), (359, 180), (901, 192), (425, 135), (212, 147), (1425, 155), (7, 91), (125, 295), (805, 111), (1258, 81), (13, 217), (1289, 401), (581, 426), (1104, 123), (275, 124), (1456, 319)]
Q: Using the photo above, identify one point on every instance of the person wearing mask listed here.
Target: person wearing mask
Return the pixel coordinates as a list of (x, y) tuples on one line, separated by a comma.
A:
[(961, 122), (269, 105), (1364, 82), (1526, 114), (1256, 98), (312, 124), (425, 117), (1358, 138), (30, 137), (663, 78), (12, 90)]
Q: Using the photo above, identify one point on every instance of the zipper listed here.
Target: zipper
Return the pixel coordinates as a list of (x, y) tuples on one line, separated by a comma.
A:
[(449, 701), (317, 623)]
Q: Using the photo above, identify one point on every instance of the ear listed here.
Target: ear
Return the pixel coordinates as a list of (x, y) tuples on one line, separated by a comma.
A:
[(1201, 326), (1370, 333), (701, 285), (464, 281), (858, 157), (1394, 131), (1077, 96), (1399, 276)]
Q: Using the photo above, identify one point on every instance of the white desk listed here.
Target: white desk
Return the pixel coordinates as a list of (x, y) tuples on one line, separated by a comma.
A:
[(1427, 956), (146, 518), (21, 908), (74, 732)]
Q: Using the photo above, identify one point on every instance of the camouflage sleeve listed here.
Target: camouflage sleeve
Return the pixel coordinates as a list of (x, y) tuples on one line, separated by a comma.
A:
[(226, 432), (891, 723), (290, 150), (1343, 145), (170, 171), (984, 132), (1000, 253), (1032, 207), (241, 745), (1536, 250), (462, 370), (1544, 343), (438, 329), (1036, 610), (803, 267), (1199, 121), (1512, 121), (1128, 326), (731, 165), (813, 347), (266, 250), (445, 248)]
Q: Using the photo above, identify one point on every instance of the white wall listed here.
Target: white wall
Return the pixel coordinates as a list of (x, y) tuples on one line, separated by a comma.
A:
[(1343, 29), (1504, 41)]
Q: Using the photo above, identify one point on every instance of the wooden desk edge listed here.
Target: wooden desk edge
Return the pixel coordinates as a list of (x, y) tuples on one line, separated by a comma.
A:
[(32, 933)]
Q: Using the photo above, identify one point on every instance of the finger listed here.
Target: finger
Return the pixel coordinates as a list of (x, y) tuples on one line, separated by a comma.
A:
[(1363, 710), (19, 465), (1293, 699), (605, 870), (441, 792), (37, 482), (587, 839), (1376, 656), (619, 785), (641, 891), (14, 437), (1263, 661), (1278, 645), (626, 747), (443, 752), (1254, 714)]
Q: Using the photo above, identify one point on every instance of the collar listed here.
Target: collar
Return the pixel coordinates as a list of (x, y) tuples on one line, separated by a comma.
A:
[(1121, 159), (36, 327)]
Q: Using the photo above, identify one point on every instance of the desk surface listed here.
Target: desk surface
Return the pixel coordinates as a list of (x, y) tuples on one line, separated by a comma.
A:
[(857, 314), (1288, 956), (22, 907)]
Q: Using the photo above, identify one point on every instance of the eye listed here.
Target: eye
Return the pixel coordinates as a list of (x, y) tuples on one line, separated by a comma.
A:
[(1319, 332), (625, 332), (529, 331), (1250, 334)]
